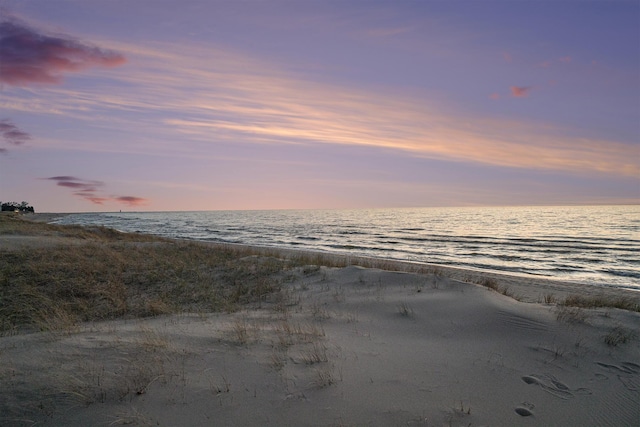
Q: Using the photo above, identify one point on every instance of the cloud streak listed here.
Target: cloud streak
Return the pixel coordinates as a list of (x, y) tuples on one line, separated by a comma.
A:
[(12, 135), (180, 94), (130, 200), (28, 56), (90, 191), (82, 186)]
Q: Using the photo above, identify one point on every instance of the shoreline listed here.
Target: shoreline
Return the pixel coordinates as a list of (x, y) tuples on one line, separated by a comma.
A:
[(525, 287)]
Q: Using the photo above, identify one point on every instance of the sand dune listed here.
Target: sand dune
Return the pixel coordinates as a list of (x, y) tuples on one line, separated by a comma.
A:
[(338, 346)]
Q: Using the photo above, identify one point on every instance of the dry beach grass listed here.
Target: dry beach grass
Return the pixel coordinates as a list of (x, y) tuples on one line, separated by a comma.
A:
[(98, 274), (105, 328)]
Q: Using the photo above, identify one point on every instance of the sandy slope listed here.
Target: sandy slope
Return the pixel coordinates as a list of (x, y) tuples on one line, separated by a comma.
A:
[(348, 346)]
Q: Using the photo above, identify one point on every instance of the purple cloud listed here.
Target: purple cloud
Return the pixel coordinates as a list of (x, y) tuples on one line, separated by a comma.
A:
[(90, 191), (77, 183), (130, 200), (11, 134), (83, 188), (28, 56)]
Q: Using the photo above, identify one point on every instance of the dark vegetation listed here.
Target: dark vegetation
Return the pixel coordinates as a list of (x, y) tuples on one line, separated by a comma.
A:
[(16, 207), (96, 273), (601, 301)]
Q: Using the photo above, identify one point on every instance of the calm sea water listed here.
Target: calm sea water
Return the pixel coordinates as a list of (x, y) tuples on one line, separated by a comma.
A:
[(595, 245)]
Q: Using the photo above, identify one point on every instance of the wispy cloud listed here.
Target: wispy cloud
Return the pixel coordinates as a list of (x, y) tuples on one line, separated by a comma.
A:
[(207, 96), (82, 186), (28, 56), (91, 191), (12, 135), (131, 200), (520, 91)]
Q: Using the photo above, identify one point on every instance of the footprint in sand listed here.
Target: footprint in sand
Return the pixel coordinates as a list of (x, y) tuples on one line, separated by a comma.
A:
[(523, 412), (525, 409), (625, 367), (552, 385)]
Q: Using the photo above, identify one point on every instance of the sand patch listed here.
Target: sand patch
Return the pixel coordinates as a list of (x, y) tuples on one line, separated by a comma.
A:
[(340, 346)]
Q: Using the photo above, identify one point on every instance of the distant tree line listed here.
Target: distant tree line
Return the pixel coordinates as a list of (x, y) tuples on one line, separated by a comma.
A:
[(16, 207)]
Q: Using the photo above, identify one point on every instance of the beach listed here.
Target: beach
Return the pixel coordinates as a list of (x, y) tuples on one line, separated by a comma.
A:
[(334, 341)]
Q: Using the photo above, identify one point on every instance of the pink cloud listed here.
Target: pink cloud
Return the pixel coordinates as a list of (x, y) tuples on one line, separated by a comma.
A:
[(131, 200), (520, 91), (28, 56), (494, 96), (565, 59), (97, 200), (89, 191), (507, 57)]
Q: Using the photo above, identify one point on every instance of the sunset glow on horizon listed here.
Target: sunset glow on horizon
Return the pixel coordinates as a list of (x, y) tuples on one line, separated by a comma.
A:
[(205, 105)]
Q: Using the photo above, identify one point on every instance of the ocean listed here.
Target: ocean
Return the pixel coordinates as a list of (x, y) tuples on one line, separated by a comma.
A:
[(597, 245)]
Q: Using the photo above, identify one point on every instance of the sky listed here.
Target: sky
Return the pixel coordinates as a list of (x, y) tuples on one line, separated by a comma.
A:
[(141, 105)]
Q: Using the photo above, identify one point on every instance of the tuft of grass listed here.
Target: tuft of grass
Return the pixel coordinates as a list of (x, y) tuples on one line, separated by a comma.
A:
[(152, 340), (241, 330), (316, 354), (600, 301), (506, 291), (405, 310), (278, 359), (289, 334), (325, 376), (223, 387), (491, 283), (571, 314), (464, 410), (619, 335)]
